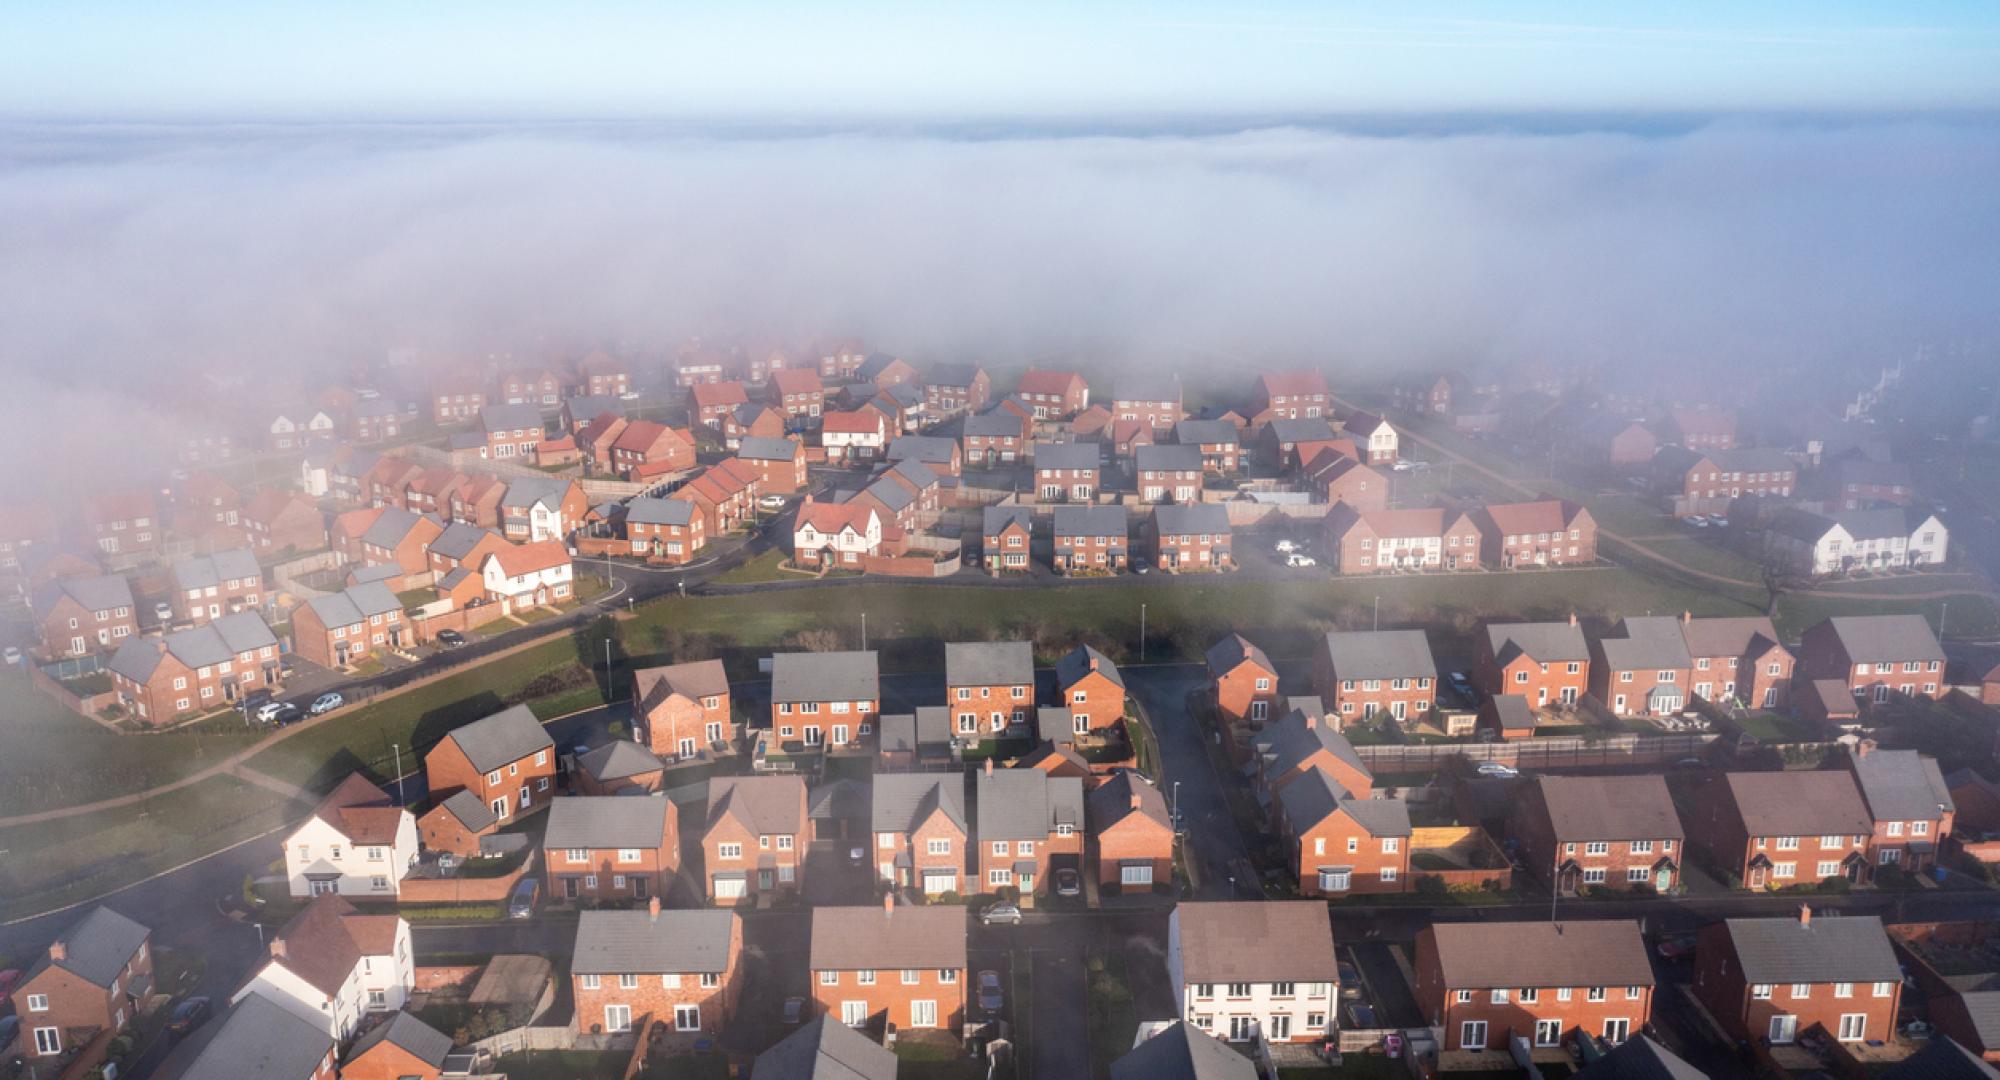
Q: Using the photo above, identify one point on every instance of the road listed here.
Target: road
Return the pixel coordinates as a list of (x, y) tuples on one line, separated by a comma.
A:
[(1162, 692)]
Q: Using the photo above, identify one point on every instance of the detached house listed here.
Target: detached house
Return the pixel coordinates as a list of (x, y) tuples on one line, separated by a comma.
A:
[(754, 844), (710, 403), (1383, 541), (859, 435), (1909, 803), (1190, 538), (883, 370), (1007, 533), (1240, 970), (1092, 691), (1617, 832), (890, 965), (1784, 828), (919, 823), (506, 759), (196, 670), (340, 628), (989, 685), (541, 388), (1030, 826), (536, 509), (512, 431), (1701, 428), (1170, 473), (1644, 672), (1362, 673), (1152, 399), (522, 576), (611, 847), (1066, 472), (602, 375), (1245, 682), (331, 966), (798, 394), (1374, 436), (400, 538), (209, 586), (779, 463), (1218, 441), (83, 615), (1875, 655), (682, 711), (357, 843), (753, 420), (838, 534), (1054, 395), (1338, 844), (956, 388), (996, 437), (1304, 742), (1548, 663), (1282, 440), (1552, 532), (1091, 539), (1131, 835), (1770, 980), (89, 981), (940, 454), (1484, 984), (646, 451), (1708, 481), (122, 522), (817, 698), (682, 971), (1290, 395), (1738, 659), (1334, 477)]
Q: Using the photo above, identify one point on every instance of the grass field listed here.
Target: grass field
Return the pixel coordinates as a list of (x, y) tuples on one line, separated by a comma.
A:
[(1698, 553), (50, 757), (760, 569)]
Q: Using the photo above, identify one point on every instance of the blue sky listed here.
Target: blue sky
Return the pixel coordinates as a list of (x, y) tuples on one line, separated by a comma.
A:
[(455, 59)]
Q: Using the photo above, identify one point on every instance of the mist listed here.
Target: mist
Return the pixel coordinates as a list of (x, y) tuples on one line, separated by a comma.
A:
[(138, 258)]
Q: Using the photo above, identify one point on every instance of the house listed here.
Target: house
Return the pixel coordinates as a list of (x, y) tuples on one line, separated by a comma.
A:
[(1066, 472), (683, 710), (84, 615), (838, 534), (1770, 980), (1245, 682), (199, 669), (711, 403), (779, 463), (989, 686), (1184, 1052), (1708, 481), (920, 831), (401, 538), (1545, 662), (512, 431), (1862, 483), (1855, 541), (462, 545), (1360, 673), (534, 509), (602, 375), (1615, 832), (694, 365), (1334, 477), (89, 981), (506, 759), (883, 370), (430, 492), (1338, 844), (542, 388), (753, 420), (941, 454), (1091, 539), (1303, 742), (1241, 970), (1169, 473), (297, 429), (907, 494), (374, 419), (1875, 655), (1646, 670), (357, 843), (1290, 395), (824, 697), (1702, 428), (477, 502), (1030, 827), (950, 389), (996, 437), (1738, 659), (42, 564), (825, 1049), (340, 628), (857, 435), (582, 410), (400, 1048), (458, 825), (670, 531), (838, 359), (754, 843), (1783, 828), (1218, 441), (611, 847), (1131, 836), (1375, 437), (1007, 533), (681, 972), (122, 522), (254, 1036), (723, 495), (798, 394), (331, 966), (1383, 541), (619, 767), (1150, 398), (1909, 803), (646, 451), (522, 576), (1280, 440), (208, 586), (1053, 395), (1190, 538), (1093, 693), (596, 437), (1487, 983), (1549, 532), (889, 964), (24, 526)]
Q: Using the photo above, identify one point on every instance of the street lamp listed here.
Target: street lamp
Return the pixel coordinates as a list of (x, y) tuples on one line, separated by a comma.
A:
[(398, 748), (864, 631), (1142, 633)]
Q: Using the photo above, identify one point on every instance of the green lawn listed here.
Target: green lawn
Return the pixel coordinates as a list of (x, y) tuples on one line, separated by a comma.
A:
[(1698, 553), (50, 757), (1633, 516), (760, 569), (1772, 728), (72, 858)]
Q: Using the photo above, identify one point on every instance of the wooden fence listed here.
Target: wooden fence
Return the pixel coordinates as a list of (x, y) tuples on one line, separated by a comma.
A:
[(1550, 753)]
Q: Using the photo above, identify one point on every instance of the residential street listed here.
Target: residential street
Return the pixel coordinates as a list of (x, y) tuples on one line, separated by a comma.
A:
[(1162, 692)]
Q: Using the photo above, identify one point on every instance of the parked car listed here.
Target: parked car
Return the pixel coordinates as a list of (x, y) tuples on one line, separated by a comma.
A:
[(10, 1026), (1286, 547), (990, 997), (1497, 770), (1460, 685), (253, 703), (1350, 980), (163, 611), (795, 1011), (1068, 882), (1695, 520), (772, 502), (1000, 913), (1360, 1015), (521, 903), (12, 655), (450, 639), (629, 395), (1139, 566), (1301, 560), (1403, 465), (188, 1015), (287, 713), (1676, 946), (326, 703), (1718, 521), (857, 855), (271, 710)]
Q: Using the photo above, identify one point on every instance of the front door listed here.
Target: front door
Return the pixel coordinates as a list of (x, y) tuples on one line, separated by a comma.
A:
[(766, 880), (526, 800), (1756, 877), (1663, 879), (639, 887), (570, 888), (1783, 1029)]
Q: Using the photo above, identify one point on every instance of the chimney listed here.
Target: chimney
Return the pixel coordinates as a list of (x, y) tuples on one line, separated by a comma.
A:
[(1093, 663), (1572, 618), (278, 947), (888, 903), (1687, 617), (1135, 800), (58, 951), (653, 908), (1312, 722), (1862, 748), (1805, 915), (989, 766)]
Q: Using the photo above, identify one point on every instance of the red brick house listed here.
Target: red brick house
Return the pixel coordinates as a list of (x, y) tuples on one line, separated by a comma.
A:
[(457, 824), (462, 545), (950, 389), (1701, 428), (712, 402), (1007, 533), (989, 686), (1613, 832), (602, 375), (647, 450), (883, 371), (1548, 663), (1190, 539), (506, 759), (754, 843), (207, 587), (512, 431), (619, 767), (754, 420), (1245, 683), (725, 494), (826, 697), (1643, 671), (83, 615), (1738, 659), (1152, 399), (1054, 395), (1290, 395), (1909, 803), (610, 847), (1091, 539), (542, 388), (477, 502), (401, 538), (996, 437), (1485, 983), (921, 834), (1619, 443), (1362, 673), (1218, 441), (1549, 532), (1768, 981), (1773, 829), (87, 983), (374, 419), (780, 464), (1875, 655), (23, 527), (798, 394), (1303, 742), (1863, 483), (1030, 826), (1708, 481), (1384, 541), (838, 359), (1168, 474), (121, 522), (200, 669), (670, 531), (683, 710), (340, 628), (596, 437), (1066, 472), (941, 455), (1131, 836), (1337, 478), (401, 1048), (890, 964), (1092, 690), (1340, 845), (680, 972), (1281, 441), (694, 364)]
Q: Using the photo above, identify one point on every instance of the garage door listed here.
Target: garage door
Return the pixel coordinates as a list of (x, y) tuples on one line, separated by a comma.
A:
[(729, 888), (936, 882)]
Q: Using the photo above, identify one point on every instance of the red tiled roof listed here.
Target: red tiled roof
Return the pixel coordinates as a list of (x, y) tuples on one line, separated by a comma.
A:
[(830, 518), (1705, 422), (722, 393), (520, 559), (268, 503), (1418, 521), (1292, 383), (796, 381), (858, 422), (1548, 515), (355, 522), (1048, 382), (119, 506)]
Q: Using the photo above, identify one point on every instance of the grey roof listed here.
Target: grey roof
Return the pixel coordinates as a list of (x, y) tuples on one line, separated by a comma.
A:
[(1168, 457), (1027, 804), (199, 646), (374, 407), (1818, 803), (1054, 724), (1583, 808), (870, 938), (1256, 941), (1182, 1051), (101, 593), (873, 367), (639, 942), (825, 676), (606, 821), (993, 423), (1091, 521), (458, 539), (1208, 519), (1892, 523), (992, 519), (916, 472), (659, 511), (501, 739), (1640, 1058), (1291, 741), (464, 440), (903, 800), (766, 805), (1546, 642), (470, 810), (765, 448), (1828, 948), (585, 407), (1512, 710), (1942, 1059), (1752, 459), (1381, 654), (1727, 636), (1206, 432), (890, 494), (254, 1037), (1080, 661), (510, 417), (379, 572), (412, 1035), (1067, 455), (390, 529), (1313, 797), (619, 759), (1572, 952), (845, 799), (748, 412), (1887, 637), (951, 375), (1299, 429), (989, 663), (98, 946), (1233, 650), (1650, 642), (523, 493), (929, 449), (1147, 386), (203, 571), (825, 1049), (1111, 801), (1381, 817), (1902, 785), (451, 580), (929, 725), (354, 604)]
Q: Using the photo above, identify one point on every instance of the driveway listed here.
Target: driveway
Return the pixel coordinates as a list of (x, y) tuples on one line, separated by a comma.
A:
[(1213, 839)]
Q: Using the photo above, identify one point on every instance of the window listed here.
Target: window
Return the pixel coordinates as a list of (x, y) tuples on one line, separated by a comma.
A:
[(628, 981), (1204, 990), (1472, 1035), (923, 1014), (910, 976), (1388, 873), (1562, 993), (1464, 997), (617, 1018), (1391, 845), (1596, 993), (1025, 848), (1637, 874), (1784, 869), (1761, 992), (1801, 991), (1787, 843), (733, 851), (38, 1003), (1499, 997), (1843, 990), (687, 1018), (865, 978), (1895, 828), (1642, 847), (628, 855), (48, 1040), (948, 976), (829, 978), (710, 980), (1853, 1027), (1239, 990), (1617, 1029), (1000, 847), (1593, 875), (591, 982), (935, 846), (1597, 847), (1334, 879), (1283, 989)]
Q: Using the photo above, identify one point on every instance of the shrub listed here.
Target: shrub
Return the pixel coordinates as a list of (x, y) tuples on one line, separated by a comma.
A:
[(1834, 884), (1428, 885)]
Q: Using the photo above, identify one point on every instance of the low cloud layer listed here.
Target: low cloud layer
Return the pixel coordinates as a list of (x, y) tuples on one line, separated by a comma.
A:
[(130, 254)]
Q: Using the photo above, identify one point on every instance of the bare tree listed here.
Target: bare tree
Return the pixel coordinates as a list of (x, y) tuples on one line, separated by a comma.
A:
[(1779, 573)]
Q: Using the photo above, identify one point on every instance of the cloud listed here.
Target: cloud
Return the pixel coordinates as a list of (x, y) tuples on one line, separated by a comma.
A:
[(133, 255)]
